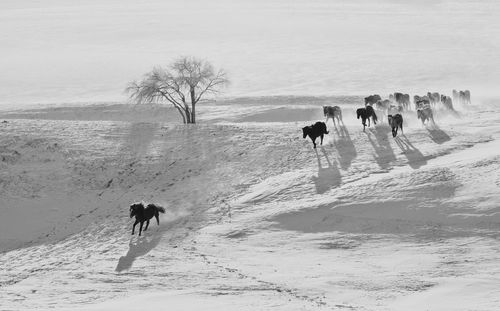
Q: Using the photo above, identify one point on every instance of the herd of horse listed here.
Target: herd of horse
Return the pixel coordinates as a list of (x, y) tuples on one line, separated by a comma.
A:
[(394, 107)]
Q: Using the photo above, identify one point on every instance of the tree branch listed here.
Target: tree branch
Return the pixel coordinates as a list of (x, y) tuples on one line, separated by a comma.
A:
[(187, 77)]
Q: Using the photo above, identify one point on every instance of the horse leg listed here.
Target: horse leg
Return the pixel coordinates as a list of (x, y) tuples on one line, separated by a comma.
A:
[(157, 218), (133, 227), (147, 225), (140, 228), (314, 142), (321, 139)]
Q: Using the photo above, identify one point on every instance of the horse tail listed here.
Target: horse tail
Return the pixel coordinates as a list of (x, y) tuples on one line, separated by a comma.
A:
[(160, 209)]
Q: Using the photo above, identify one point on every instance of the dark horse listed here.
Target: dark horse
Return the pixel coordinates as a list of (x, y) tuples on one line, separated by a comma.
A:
[(334, 113), (395, 121), (425, 114), (144, 214), (372, 99), (318, 129), (365, 114)]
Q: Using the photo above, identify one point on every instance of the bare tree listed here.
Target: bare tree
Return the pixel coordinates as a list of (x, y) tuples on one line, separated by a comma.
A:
[(183, 84)]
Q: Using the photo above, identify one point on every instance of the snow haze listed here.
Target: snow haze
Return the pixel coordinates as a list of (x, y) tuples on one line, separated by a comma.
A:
[(82, 51)]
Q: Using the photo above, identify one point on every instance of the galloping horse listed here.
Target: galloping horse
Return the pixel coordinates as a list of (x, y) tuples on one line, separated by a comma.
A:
[(318, 129), (372, 99), (395, 121), (447, 102), (402, 100), (333, 113), (365, 114), (144, 214), (424, 113)]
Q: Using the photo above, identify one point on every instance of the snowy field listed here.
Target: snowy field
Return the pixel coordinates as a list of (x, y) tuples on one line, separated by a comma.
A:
[(256, 218)]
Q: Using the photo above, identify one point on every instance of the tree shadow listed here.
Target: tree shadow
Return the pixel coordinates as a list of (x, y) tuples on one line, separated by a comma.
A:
[(384, 154), (328, 177), (345, 148), (137, 142), (140, 247), (139, 137), (415, 158), (437, 135)]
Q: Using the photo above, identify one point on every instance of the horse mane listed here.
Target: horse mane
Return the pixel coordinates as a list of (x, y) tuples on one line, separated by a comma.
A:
[(141, 204), (359, 112)]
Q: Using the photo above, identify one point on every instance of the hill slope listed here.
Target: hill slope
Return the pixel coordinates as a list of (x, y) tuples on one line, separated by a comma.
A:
[(255, 217)]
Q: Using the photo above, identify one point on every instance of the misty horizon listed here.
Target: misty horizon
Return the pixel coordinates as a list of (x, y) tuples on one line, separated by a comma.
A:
[(88, 51)]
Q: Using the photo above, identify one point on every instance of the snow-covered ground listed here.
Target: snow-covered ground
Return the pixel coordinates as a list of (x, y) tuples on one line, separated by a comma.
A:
[(256, 218)]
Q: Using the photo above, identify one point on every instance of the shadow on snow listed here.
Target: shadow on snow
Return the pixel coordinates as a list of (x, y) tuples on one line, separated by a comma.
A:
[(328, 177)]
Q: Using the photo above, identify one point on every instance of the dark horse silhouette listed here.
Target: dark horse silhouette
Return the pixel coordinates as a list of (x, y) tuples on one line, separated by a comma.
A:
[(395, 121), (365, 114), (144, 214), (318, 129), (372, 99)]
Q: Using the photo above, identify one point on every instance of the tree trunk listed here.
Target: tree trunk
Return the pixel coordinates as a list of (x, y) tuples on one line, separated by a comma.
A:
[(193, 113), (182, 114), (188, 116), (193, 105)]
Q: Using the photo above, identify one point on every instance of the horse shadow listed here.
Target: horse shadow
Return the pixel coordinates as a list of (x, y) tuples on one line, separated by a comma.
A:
[(138, 248), (328, 177), (337, 124), (345, 148), (384, 154), (437, 135), (415, 158)]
